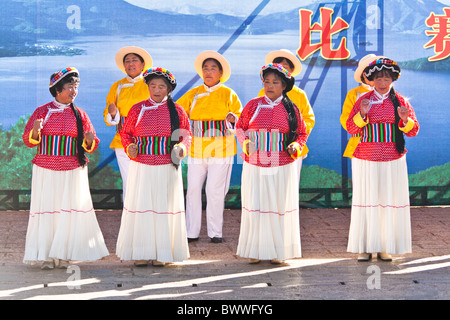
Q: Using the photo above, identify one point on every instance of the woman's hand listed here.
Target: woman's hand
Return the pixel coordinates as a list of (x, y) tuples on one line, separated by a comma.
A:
[(112, 110), (89, 138), (250, 147), (292, 149), (37, 127), (230, 118), (179, 151), (132, 150), (365, 107), (403, 113)]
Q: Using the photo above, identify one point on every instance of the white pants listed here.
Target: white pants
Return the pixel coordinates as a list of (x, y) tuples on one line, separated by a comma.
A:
[(217, 172), (124, 163)]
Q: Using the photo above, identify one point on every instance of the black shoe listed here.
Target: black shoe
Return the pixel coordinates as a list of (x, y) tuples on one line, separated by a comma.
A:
[(192, 239), (216, 240)]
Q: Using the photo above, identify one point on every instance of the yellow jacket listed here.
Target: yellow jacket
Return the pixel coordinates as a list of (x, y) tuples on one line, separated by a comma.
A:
[(299, 98), (211, 104), (124, 93), (350, 100)]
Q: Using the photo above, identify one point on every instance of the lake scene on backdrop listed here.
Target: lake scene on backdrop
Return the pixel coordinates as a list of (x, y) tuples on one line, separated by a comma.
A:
[(41, 37)]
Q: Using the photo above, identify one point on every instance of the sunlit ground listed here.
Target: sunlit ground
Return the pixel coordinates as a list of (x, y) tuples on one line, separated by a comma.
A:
[(196, 281), (303, 272)]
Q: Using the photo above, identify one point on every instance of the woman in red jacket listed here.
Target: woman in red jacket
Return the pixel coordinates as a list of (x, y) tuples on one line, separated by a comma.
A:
[(380, 218), (62, 224), (156, 136), (272, 134)]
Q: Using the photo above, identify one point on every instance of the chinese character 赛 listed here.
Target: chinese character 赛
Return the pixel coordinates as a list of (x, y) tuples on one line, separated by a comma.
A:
[(441, 34)]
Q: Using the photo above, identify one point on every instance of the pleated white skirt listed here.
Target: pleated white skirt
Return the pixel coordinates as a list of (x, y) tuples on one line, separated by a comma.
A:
[(270, 224), (62, 222), (380, 216), (153, 225)]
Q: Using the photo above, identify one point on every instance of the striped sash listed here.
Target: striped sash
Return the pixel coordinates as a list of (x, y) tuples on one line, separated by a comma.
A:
[(120, 124), (58, 146), (268, 141), (378, 132), (154, 146), (210, 129)]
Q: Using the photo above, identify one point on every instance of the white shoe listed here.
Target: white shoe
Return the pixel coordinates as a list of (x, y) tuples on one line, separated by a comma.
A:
[(363, 257), (384, 256), (141, 263), (48, 265), (157, 263), (63, 264)]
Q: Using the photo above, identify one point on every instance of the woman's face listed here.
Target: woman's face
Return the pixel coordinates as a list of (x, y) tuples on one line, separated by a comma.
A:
[(273, 86), (286, 65), (211, 73), (68, 93), (382, 83), (133, 65), (158, 89)]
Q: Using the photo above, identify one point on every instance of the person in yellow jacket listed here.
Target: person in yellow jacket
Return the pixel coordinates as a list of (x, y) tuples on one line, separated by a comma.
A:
[(213, 110), (123, 95), (292, 64), (353, 95)]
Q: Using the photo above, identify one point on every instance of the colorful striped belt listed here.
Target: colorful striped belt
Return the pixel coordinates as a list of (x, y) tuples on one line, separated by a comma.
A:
[(378, 132), (210, 129), (154, 146), (120, 124), (268, 141), (57, 146)]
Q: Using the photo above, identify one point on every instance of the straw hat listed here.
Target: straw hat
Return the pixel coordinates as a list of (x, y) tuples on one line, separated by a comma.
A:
[(215, 55), (285, 53), (363, 63), (136, 50)]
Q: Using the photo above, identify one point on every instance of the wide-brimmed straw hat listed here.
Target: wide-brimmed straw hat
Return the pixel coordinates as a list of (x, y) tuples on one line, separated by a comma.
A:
[(160, 72), (285, 53), (198, 63), (363, 63), (148, 62), (59, 75)]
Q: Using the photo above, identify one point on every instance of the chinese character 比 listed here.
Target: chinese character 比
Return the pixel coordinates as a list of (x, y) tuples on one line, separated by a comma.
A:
[(326, 29)]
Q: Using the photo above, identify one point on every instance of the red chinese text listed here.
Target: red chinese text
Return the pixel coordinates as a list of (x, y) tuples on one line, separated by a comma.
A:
[(440, 33), (326, 29)]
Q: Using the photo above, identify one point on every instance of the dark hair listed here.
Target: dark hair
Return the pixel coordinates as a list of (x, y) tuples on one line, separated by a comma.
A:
[(399, 138), (215, 60), (292, 117), (80, 136), (363, 80), (288, 104), (280, 60), (140, 58), (174, 116)]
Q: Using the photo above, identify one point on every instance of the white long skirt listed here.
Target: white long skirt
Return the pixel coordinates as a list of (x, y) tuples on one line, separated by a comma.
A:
[(380, 217), (270, 223), (153, 225), (62, 222)]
